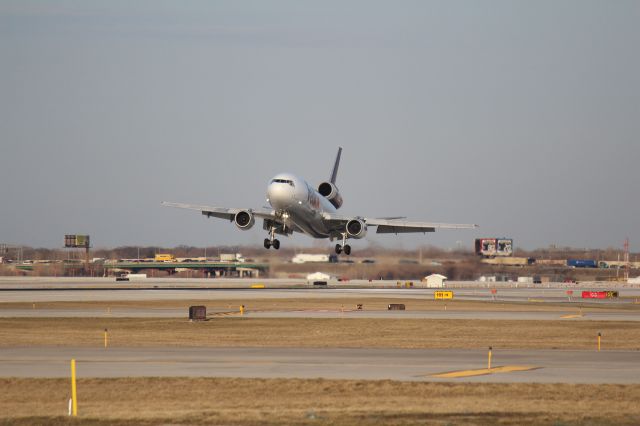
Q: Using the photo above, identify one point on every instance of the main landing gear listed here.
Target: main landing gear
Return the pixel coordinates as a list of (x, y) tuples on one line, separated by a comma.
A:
[(344, 246), (272, 241)]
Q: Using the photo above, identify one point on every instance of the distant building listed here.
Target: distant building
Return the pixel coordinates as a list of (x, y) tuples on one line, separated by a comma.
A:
[(304, 258), (435, 281), (318, 276)]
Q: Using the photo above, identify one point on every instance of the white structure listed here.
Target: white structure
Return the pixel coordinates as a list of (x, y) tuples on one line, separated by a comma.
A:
[(304, 258), (435, 281), (635, 280), (318, 276), (525, 280), (231, 257), (136, 276)]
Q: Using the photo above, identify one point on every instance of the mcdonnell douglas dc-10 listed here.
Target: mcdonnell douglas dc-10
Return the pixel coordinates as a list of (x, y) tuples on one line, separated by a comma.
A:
[(298, 207)]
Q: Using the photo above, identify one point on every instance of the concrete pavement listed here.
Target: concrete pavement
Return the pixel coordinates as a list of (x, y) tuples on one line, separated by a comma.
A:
[(552, 366)]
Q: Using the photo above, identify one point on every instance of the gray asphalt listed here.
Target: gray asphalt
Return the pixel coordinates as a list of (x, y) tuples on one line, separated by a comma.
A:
[(621, 367), (76, 293), (44, 289), (144, 312)]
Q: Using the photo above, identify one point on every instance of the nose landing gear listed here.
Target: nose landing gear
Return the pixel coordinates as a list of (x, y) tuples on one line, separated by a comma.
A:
[(344, 246)]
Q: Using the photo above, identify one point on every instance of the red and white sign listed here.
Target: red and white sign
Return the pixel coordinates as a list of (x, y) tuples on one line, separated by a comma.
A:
[(595, 294)]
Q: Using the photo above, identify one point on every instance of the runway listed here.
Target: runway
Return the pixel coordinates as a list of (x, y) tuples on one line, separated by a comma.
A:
[(488, 314), (31, 294), (35, 292), (551, 366)]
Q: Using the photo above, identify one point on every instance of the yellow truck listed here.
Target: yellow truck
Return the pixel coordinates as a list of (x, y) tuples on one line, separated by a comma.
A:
[(163, 257)]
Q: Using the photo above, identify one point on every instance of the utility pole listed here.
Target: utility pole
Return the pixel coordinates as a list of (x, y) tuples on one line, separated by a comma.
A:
[(627, 263)]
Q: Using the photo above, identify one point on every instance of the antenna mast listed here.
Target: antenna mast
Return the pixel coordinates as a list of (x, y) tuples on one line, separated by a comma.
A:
[(627, 264)]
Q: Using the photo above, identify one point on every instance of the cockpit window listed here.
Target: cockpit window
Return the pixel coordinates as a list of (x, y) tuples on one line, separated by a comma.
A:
[(287, 181)]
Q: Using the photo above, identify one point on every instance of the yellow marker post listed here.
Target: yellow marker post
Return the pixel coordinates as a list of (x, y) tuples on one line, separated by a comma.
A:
[(599, 337), (489, 363), (106, 338), (241, 309), (74, 396)]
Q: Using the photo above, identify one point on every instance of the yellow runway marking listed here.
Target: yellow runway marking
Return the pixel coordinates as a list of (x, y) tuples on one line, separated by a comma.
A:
[(224, 314), (536, 300), (485, 371), (572, 316)]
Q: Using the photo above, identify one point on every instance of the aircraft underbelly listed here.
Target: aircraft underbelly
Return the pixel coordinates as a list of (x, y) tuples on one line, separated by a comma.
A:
[(309, 223)]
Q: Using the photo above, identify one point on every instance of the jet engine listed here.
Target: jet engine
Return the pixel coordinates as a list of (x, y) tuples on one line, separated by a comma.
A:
[(244, 219), (356, 228), (331, 193)]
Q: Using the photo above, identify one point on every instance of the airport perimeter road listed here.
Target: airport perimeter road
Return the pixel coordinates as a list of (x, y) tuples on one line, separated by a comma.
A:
[(128, 293), (484, 314), (557, 289), (393, 364)]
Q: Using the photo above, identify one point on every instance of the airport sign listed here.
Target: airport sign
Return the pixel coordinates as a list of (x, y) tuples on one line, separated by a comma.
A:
[(599, 294), (440, 295)]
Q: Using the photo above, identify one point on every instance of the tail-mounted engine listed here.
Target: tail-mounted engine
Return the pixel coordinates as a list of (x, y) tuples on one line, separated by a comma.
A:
[(331, 193), (356, 228), (244, 220)]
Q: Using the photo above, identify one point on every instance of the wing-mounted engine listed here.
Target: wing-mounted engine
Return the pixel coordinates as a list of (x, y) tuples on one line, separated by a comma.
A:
[(244, 219), (330, 191), (356, 228)]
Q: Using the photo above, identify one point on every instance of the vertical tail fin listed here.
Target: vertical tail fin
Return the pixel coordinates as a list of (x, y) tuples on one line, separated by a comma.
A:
[(334, 173)]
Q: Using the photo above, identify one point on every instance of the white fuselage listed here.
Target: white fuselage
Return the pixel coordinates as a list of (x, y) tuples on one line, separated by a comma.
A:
[(299, 204)]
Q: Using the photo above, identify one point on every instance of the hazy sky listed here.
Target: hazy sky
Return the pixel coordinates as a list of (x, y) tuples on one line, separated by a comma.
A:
[(521, 116)]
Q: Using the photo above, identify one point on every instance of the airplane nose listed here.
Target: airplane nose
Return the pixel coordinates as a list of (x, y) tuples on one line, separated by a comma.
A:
[(280, 195)]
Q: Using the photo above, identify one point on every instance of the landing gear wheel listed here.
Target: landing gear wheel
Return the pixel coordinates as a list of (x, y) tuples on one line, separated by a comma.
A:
[(267, 243), (347, 249), (338, 249), (276, 244)]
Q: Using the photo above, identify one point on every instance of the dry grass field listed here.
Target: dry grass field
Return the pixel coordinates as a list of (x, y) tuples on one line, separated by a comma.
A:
[(183, 401), (309, 332)]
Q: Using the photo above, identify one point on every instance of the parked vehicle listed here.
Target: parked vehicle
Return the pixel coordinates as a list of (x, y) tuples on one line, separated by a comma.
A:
[(582, 263)]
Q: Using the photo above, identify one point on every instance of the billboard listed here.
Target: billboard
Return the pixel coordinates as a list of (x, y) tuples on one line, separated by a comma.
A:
[(76, 241), (492, 247)]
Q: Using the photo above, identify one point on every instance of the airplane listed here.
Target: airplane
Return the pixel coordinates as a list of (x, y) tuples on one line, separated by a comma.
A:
[(299, 207)]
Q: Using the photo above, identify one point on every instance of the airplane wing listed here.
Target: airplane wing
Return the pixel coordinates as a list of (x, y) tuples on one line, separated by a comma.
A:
[(222, 212), (394, 225)]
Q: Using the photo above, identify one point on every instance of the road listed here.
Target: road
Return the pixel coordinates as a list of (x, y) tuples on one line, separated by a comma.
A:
[(550, 366), (485, 314), (125, 292)]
